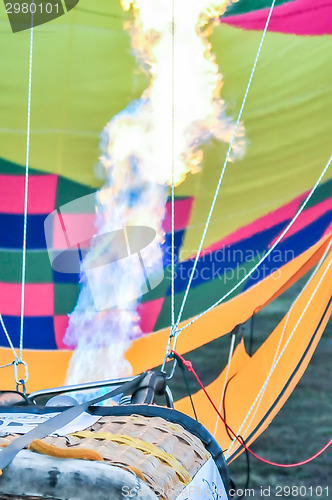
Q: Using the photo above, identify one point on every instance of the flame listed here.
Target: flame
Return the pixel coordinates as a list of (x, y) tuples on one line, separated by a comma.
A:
[(154, 139)]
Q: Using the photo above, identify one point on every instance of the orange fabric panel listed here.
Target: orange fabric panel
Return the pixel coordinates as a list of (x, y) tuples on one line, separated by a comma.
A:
[(301, 272), (149, 351), (46, 369), (244, 387)]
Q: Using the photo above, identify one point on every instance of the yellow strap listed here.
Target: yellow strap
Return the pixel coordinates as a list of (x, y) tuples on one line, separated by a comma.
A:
[(146, 448), (55, 451)]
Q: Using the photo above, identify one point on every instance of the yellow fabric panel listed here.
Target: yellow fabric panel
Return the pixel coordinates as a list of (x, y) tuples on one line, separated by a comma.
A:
[(287, 119), (244, 387), (83, 73)]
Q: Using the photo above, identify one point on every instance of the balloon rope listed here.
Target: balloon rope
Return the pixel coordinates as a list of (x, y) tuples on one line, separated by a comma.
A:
[(172, 331), (313, 274), (26, 189), (265, 256), (276, 360), (190, 368), (173, 160), (224, 167)]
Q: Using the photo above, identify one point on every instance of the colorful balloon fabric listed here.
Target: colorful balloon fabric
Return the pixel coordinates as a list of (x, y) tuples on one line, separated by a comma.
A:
[(83, 74)]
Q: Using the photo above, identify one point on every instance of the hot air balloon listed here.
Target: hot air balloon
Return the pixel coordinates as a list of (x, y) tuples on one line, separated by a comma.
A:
[(270, 219)]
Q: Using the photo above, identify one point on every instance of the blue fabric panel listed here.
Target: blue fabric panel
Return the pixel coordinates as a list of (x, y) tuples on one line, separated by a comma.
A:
[(38, 332), (291, 247), (65, 277), (167, 247), (214, 264), (11, 231)]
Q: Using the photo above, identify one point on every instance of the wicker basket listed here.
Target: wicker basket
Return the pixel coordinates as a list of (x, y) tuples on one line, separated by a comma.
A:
[(163, 454)]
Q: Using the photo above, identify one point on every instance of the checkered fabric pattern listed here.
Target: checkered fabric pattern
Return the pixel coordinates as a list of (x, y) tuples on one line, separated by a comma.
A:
[(51, 296)]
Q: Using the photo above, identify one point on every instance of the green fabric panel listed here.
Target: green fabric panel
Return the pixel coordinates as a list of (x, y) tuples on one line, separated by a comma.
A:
[(69, 190), (38, 267), (323, 192), (65, 297), (243, 6), (8, 167), (160, 290)]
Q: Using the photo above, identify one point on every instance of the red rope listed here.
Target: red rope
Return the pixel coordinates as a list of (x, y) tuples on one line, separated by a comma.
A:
[(190, 368)]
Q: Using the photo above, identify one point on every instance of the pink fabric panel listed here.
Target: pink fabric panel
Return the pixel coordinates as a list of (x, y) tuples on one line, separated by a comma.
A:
[(149, 312), (39, 299), (307, 217), (282, 214), (42, 194), (300, 17), (60, 327), (182, 211), (79, 228)]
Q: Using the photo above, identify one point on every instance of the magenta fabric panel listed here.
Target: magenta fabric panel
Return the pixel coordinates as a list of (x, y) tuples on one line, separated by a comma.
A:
[(280, 215), (300, 17), (39, 299), (182, 211), (42, 194)]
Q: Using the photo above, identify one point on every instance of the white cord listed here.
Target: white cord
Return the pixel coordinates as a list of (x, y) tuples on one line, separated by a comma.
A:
[(276, 361), (283, 333), (8, 364), (224, 167), (265, 256), (26, 191), (172, 216), (19, 359)]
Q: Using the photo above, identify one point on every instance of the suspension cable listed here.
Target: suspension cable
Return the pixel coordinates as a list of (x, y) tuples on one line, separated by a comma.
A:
[(313, 274), (224, 167), (26, 189), (265, 256), (172, 330), (18, 359), (282, 352), (173, 160), (190, 368)]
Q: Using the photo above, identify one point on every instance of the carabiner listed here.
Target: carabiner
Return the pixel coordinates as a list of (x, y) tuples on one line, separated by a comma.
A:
[(163, 369)]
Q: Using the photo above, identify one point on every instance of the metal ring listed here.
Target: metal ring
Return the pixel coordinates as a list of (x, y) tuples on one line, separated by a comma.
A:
[(22, 383)]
